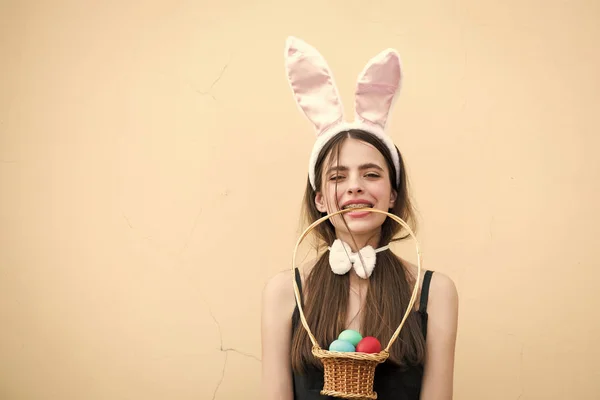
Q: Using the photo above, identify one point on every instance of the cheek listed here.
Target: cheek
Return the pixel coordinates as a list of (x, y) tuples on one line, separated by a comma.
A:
[(334, 197), (382, 194), (329, 199)]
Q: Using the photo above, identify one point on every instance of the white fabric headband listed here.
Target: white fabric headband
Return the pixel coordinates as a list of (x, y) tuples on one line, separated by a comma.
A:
[(317, 96)]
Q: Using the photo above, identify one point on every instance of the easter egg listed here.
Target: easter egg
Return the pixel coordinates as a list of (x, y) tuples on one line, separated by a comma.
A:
[(368, 344), (351, 336), (341, 345)]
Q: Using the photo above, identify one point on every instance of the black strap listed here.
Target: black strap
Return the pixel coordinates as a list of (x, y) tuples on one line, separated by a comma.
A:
[(425, 292), (299, 283)]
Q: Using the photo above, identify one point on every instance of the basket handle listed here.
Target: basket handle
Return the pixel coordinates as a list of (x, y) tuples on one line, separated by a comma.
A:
[(415, 290)]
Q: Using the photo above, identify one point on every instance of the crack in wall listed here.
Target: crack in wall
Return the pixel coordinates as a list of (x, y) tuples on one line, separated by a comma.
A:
[(128, 221), (220, 380), (225, 350), (222, 349), (174, 254), (187, 242), (241, 352), (209, 91), (228, 349)]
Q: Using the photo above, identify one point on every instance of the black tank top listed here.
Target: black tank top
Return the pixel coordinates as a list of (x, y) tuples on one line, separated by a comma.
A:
[(391, 381)]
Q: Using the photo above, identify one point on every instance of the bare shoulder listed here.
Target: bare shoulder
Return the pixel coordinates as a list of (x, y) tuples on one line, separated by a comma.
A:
[(442, 305), (277, 308), (442, 311), (279, 290), (443, 289)]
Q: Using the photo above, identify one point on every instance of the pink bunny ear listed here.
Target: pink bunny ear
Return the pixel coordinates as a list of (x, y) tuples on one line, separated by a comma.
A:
[(377, 87), (313, 85)]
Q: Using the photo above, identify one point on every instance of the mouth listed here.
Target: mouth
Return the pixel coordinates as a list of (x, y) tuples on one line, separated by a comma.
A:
[(357, 206)]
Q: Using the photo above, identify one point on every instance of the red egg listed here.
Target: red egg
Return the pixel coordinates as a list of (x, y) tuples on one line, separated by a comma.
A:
[(368, 344)]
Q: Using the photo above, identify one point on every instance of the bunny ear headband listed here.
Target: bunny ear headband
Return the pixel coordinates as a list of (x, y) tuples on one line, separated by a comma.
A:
[(317, 96)]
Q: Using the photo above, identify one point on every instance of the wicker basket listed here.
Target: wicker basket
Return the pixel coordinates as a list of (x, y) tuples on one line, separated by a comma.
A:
[(351, 375)]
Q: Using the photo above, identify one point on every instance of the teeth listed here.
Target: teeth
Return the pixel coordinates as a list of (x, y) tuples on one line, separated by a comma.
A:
[(357, 206)]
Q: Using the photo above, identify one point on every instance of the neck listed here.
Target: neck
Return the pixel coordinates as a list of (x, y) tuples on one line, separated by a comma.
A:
[(361, 240)]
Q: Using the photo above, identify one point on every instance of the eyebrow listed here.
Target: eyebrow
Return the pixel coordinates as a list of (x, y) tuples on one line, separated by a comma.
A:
[(361, 167)]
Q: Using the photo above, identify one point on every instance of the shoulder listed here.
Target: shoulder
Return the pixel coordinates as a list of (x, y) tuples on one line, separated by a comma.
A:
[(277, 306), (440, 285), (442, 311), (276, 323), (442, 306), (279, 288), (278, 292), (442, 290)]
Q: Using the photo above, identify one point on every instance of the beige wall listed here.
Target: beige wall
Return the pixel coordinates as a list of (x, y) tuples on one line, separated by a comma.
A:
[(152, 163)]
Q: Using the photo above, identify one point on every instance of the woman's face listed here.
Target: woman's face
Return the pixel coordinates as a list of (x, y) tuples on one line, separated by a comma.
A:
[(363, 180)]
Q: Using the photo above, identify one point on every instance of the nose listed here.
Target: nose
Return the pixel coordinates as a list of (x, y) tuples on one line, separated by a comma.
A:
[(354, 186)]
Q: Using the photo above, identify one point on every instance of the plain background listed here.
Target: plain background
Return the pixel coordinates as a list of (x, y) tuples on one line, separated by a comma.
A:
[(152, 164)]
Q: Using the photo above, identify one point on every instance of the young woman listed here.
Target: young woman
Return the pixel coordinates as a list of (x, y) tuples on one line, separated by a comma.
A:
[(355, 165)]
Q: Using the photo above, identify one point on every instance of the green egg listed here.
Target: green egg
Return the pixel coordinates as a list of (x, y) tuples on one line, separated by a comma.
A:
[(351, 336)]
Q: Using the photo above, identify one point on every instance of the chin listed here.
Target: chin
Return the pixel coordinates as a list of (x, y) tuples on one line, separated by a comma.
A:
[(365, 225)]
